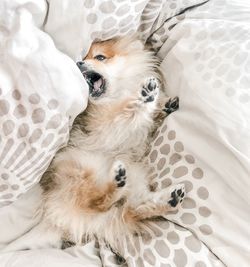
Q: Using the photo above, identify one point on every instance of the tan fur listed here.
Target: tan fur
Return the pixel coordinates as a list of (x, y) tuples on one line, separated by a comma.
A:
[(82, 199)]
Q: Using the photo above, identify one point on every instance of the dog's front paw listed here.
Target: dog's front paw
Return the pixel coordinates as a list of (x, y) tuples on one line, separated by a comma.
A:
[(172, 105), (150, 90), (119, 174), (177, 195)]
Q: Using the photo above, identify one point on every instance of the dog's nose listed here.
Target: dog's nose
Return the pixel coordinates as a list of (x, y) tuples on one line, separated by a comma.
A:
[(82, 66)]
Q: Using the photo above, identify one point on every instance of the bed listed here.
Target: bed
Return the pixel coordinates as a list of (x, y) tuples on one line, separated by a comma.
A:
[(204, 47)]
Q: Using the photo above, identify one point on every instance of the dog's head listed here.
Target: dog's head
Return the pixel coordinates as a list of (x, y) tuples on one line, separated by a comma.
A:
[(114, 68)]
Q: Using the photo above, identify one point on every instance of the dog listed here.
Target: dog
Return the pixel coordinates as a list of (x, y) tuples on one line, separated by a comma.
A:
[(99, 185)]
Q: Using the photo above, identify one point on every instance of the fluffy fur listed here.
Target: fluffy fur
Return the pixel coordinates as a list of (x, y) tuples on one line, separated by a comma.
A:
[(99, 185)]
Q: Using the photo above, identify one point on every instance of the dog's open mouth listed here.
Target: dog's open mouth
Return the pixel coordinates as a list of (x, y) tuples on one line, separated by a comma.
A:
[(96, 83)]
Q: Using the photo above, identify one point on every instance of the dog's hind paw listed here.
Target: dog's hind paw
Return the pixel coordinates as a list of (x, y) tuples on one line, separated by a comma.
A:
[(150, 90), (177, 195), (172, 105), (119, 173)]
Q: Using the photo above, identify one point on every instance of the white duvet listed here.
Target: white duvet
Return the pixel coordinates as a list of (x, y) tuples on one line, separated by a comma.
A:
[(205, 54)]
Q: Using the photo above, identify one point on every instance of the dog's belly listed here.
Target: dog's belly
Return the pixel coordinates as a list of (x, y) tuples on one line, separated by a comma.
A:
[(80, 177)]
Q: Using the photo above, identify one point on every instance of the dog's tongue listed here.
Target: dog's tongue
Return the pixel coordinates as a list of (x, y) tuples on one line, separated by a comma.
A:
[(97, 85)]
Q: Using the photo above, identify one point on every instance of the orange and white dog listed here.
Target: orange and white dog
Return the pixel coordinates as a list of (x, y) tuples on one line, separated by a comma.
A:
[(99, 186)]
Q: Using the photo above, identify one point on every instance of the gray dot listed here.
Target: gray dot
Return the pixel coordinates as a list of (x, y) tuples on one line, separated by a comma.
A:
[(20, 111), (197, 173), (53, 104), (207, 76), (153, 156), (91, 18), (166, 183), (173, 237), (163, 224), (222, 69), (158, 141), (174, 158), (23, 130), (156, 230), (162, 249), (130, 248), (180, 171), (173, 6), (188, 203), (122, 10), (203, 193), (206, 229), (16, 94), (107, 7), (188, 218), (204, 211), (200, 264), (96, 35), (149, 257), (36, 134), (34, 99), (244, 98), (164, 128), (7, 196), (139, 263), (89, 3), (108, 23), (164, 172), (38, 115), (178, 146), (171, 135), (8, 127), (217, 84), (180, 258), (189, 159), (15, 187), (180, 228), (240, 58), (156, 134), (233, 75), (126, 21), (161, 163), (48, 140), (214, 62), (200, 67), (3, 187), (193, 244), (165, 149), (5, 176), (4, 107), (54, 122)]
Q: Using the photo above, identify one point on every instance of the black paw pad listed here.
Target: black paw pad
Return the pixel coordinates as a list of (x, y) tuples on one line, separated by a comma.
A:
[(177, 197), (120, 177), (172, 105), (149, 90)]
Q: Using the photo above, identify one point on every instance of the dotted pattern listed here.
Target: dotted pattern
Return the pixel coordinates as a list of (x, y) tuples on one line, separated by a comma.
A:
[(108, 19), (165, 242), (32, 130)]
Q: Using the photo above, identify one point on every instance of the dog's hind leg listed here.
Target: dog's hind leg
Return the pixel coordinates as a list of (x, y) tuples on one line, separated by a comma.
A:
[(157, 204)]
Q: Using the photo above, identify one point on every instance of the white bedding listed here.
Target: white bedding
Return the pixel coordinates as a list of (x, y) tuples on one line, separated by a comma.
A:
[(206, 144)]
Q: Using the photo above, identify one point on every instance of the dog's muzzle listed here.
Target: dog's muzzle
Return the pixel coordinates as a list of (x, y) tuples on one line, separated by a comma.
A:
[(95, 80)]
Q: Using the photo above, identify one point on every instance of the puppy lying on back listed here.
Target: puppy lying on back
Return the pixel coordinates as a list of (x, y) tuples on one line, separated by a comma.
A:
[(99, 186)]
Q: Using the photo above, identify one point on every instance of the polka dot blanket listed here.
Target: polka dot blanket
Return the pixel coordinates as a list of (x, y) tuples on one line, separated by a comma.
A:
[(205, 51)]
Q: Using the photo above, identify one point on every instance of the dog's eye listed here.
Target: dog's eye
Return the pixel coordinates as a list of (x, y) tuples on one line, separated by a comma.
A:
[(100, 57)]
